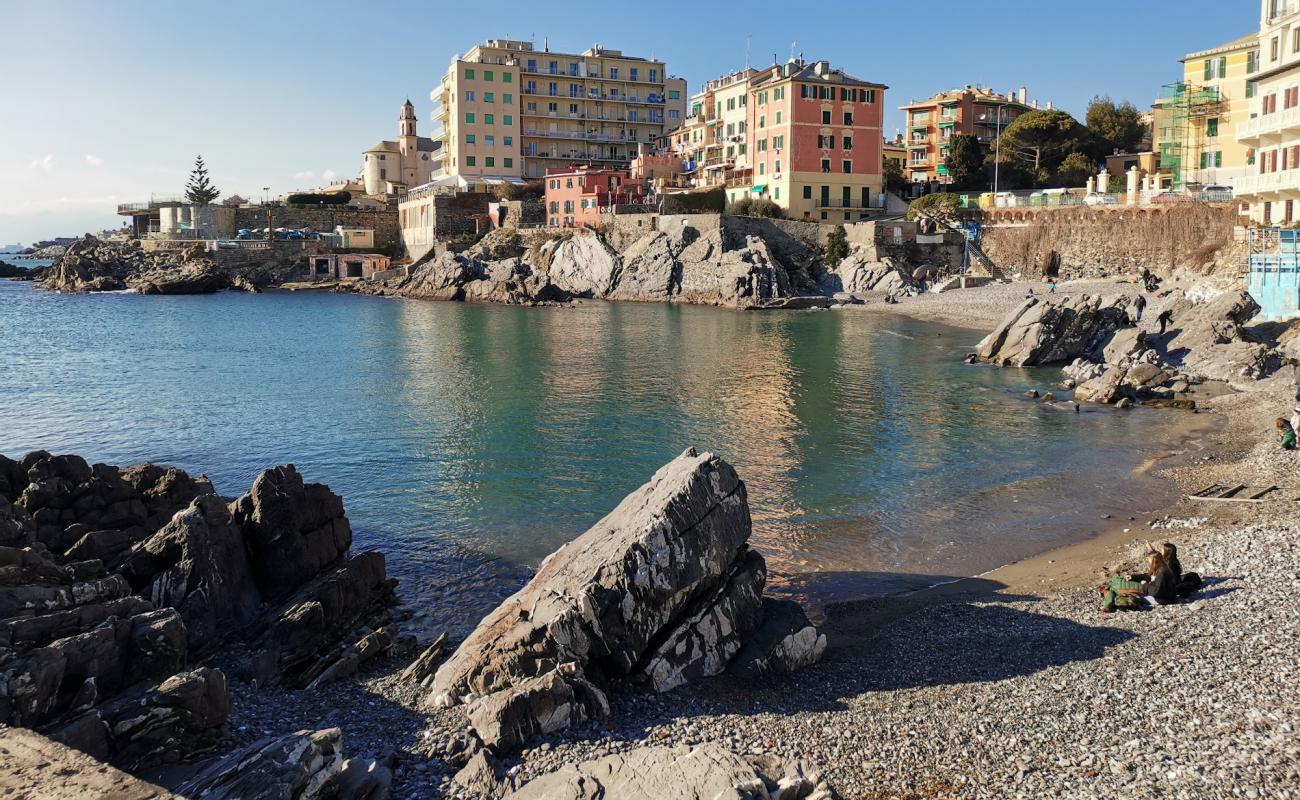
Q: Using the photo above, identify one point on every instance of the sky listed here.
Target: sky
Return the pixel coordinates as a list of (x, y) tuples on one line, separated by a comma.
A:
[(108, 101)]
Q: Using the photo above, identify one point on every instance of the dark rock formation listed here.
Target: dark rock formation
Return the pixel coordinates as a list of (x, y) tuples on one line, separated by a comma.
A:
[(297, 765), (664, 588), (115, 582), (8, 270)]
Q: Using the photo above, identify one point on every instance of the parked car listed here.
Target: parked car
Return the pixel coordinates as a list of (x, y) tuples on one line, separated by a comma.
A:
[(1216, 193), (1100, 199)]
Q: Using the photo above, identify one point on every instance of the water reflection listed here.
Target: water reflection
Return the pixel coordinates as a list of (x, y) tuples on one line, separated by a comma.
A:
[(471, 440)]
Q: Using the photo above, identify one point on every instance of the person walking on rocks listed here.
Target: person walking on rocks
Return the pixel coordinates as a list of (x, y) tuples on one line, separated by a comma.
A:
[(1286, 433), (1138, 306), (1166, 317)]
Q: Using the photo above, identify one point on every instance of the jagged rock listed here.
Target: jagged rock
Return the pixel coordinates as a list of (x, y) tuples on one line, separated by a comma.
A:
[(609, 594), (1209, 340), (711, 633), (1123, 343), (682, 773), (482, 775), (360, 779), (197, 563), (182, 716), (420, 671), (650, 270), (44, 628), (23, 565), (244, 284), (34, 766), (856, 274), (785, 641), (345, 661), (8, 270), (292, 530), (1052, 330), (580, 264), (32, 600), (322, 611), (296, 766), (440, 278), (193, 277), (507, 719), (744, 277)]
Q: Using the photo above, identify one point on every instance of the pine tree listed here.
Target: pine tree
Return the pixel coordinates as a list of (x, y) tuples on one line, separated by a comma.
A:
[(837, 246), (199, 190)]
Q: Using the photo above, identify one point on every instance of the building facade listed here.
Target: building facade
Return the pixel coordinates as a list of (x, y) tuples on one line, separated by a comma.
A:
[(972, 111), (509, 111), (391, 167), (814, 142), (575, 196), (1194, 120), (1272, 184)]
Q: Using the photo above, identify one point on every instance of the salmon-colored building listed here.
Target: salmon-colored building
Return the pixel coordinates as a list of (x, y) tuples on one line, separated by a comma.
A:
[(972, 111), (814, 137), (575, 195)]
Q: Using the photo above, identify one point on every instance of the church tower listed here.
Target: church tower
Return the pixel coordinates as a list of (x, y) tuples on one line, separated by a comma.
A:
[(406, 125)]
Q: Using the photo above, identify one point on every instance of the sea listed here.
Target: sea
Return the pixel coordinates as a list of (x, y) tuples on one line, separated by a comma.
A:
[(470, 441)]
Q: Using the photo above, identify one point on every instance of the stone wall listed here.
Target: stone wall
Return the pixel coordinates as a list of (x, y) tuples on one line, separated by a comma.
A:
[(514, 213), (1098, 242), (899, 239), (384, 223)]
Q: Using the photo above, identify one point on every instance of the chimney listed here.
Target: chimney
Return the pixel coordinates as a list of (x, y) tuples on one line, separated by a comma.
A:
[(1024, 95)]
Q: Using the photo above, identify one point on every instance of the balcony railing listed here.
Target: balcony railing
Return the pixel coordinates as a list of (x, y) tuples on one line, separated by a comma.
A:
[(1269, 123)]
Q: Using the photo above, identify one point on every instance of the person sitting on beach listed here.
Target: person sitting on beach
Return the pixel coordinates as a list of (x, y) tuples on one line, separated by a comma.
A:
[(1286, 433), (1158, 585), (1186, 583)]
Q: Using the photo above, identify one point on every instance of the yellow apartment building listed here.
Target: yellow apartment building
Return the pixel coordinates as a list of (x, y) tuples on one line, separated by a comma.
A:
[(1195, 119), (509, 111)]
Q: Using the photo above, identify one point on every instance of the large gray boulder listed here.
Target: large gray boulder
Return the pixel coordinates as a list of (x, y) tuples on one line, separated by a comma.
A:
[(681, 773), (580, 264), (295, 766), (650, 270), (606, 596), (1209, 340), (1045, 330), (741, 274)]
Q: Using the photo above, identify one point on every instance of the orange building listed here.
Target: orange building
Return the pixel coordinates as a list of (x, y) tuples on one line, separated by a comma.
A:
[(575, 195), (972, 111)]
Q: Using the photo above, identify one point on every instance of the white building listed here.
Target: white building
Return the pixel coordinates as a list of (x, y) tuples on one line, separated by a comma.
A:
[(1272, 186), (390, 168)]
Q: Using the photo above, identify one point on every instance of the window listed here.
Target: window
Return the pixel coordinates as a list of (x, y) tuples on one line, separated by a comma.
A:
[(469, 117), (1252, 62), (761, 167), (508, 119), (555, 206), (489, 141), (778, 142), (508, 98), (762, 145), (762, 122), (1272, 49), (553, 88), (471, 161), (1251, 89), (489, 75), (848, 118), (807, 192), (568, 184), (776, 168), (866, 197), (1209, 69), (506, 77), (489, 161), (778, 93), (508, 141), (1223, 65), (674, 114), (778, 118), (776, 193), (826, 197), (489, 97), (826, 165), (674, 94), (613, 72), (552, 108), (826, 117), (489, 119), (469, 96), (1295, 40), (470, 138), (847, 142), (826, 142), (469, 74), (383, 174), (1212, 127), (846, 197), (846, 167)]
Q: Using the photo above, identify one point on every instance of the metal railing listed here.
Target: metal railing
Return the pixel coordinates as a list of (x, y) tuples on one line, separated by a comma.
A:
[(1078, 198)]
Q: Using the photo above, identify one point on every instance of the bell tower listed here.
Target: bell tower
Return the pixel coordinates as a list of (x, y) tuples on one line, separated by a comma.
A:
[(406, 126)]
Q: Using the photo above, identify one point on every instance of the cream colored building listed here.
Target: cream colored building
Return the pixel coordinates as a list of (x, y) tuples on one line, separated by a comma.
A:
[(1194, 120), (509, 111), (1272, 185), (392, 167)]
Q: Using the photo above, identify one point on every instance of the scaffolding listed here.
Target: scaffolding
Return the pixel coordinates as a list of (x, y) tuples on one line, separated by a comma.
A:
[(1185, 109)]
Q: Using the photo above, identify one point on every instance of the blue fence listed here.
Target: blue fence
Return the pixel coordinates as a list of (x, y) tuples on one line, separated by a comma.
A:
[(1274, 279)]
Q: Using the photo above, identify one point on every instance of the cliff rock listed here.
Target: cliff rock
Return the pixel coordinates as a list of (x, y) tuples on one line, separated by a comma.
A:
[(1053, 330), (580, 264)]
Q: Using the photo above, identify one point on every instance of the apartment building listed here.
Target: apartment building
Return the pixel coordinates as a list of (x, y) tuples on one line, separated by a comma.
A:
[(575, 196), (1194, 119), (814, 142), (1272, 131), (511, 112), (972, 111)]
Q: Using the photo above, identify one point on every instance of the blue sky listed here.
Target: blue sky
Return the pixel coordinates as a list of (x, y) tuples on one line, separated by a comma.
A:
[(104, 102)]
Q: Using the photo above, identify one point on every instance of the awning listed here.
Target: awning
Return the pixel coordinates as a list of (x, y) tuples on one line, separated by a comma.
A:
[(943, 170), (759, 188)]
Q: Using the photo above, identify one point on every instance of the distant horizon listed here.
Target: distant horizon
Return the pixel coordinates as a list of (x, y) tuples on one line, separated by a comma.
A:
[(115, 105)]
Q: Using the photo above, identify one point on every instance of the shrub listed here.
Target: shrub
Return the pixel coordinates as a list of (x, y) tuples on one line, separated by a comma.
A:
[(711, 200), (756, 207), (939, 205), (837, 246)]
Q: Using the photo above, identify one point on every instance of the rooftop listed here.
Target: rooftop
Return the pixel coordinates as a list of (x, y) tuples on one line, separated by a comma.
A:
[(1247, 42), (979, 94), (809, 71)]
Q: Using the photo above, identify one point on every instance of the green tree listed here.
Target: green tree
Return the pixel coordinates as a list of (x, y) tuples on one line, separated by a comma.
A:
[(1075, 170), (894, 178), (837, 246), (941, 206), (1038, 141), (965, 161), (747, 206), (200, 190), (1114, 127)]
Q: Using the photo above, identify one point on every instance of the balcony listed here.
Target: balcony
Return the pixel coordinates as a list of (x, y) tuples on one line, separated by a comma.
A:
[(1252, 130), (1288, 180), (839, 205)]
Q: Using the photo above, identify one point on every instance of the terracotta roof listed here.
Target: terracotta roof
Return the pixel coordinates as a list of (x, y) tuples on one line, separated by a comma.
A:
[(807, 72)]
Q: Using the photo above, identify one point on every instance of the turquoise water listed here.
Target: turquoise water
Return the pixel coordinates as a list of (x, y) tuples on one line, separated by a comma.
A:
[(470, 441)]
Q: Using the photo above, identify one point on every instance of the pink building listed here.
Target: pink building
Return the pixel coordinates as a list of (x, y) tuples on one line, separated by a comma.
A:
[(575, 195)]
